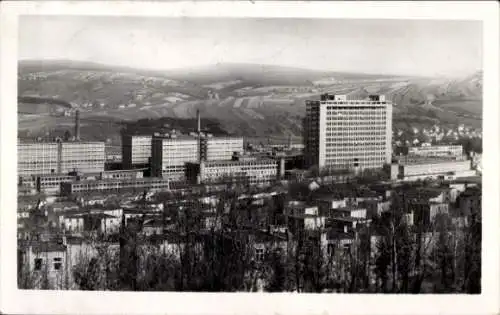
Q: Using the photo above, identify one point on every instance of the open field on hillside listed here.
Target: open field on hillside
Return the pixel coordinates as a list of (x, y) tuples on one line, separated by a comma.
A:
[(251, 100)]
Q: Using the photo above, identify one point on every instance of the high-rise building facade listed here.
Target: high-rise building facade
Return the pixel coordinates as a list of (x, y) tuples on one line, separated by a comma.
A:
[(340, 133), (220, 148), (170, 152), (136, 150), (85, 157), (37, 158)]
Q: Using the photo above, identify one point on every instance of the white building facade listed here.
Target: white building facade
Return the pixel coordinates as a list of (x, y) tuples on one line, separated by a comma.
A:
[(85, 157), (37, 158), (169, 153), (220, 148), (136, 150), (343, 134)]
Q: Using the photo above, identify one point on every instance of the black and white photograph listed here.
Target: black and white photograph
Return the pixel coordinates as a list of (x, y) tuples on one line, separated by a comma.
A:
[(250, 154)]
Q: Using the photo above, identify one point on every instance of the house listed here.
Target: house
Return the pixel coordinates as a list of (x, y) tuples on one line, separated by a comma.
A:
[(264, 242), (300, 217), (72, 223), (211, 221), (354, 212), (42, 265), (469, 202), (347, 223), (173, 243), (90, 221), (299, 207), (376, 207), (339, 242), (154, 226), (64, 206), (424, 213), (325, 204)]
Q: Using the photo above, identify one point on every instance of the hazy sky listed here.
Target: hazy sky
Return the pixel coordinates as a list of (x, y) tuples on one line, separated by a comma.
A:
[(371, 46)]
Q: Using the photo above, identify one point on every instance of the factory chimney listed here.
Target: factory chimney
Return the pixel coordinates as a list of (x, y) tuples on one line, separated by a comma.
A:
[(77, 125), (198, 119)]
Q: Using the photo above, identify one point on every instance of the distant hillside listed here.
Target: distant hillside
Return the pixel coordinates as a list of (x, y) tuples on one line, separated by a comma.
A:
[(247, 100)]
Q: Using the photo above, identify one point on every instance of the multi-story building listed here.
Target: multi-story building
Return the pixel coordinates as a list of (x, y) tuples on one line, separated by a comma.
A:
[(85, 157), (51, 184), (36, 158), (43, 158), (220, 148), (123, 174), (437, 150), (107, 185), (344, 134), (136, 150), (432, 168), (252, 171), (170, 153)]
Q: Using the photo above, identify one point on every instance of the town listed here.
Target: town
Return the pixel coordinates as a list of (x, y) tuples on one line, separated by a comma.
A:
[(358, 207)]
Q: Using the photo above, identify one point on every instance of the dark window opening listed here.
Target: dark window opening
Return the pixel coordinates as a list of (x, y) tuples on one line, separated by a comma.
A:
[(38, 263)]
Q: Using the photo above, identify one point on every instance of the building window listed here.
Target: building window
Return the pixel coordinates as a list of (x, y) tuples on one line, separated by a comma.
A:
[(331, 249), (57, 263), (38, 263), (259, 254)]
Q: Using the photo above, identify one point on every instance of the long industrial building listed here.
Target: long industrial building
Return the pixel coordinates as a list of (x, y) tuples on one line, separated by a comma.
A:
[(409, 169), (37, 158), (42, 158), (107, 185), (340, 133), (437, 150), (237, 170)]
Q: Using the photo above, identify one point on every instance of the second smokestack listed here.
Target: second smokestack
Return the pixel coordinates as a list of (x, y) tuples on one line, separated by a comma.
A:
[(198, 119), (77, 125)]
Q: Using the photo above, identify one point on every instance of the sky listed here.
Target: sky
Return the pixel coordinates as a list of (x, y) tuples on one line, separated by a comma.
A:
[(408, 47)]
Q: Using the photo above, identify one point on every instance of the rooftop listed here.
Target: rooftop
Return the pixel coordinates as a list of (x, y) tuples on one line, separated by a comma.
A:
[(348, 219), (347, 209), (43, 247)]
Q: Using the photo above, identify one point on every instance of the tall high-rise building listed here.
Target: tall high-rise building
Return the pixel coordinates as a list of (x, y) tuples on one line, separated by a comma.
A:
[(340, 133), (170, 152), (136, 150)]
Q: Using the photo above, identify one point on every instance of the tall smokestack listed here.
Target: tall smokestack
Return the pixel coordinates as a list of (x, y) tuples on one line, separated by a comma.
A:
[(198, 119), (77, 125)]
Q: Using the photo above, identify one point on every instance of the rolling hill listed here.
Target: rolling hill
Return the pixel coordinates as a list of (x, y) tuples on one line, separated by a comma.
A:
[(248, 100)]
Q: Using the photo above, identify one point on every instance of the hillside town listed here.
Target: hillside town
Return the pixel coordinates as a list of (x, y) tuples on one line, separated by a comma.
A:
[(359, 206)]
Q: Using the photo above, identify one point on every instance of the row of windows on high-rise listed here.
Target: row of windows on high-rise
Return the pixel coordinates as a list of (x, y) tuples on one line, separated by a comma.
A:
[(351, 153), (343, 134), (352, 143)]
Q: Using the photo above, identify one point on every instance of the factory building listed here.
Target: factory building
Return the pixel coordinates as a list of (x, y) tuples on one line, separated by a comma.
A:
[(36, 158), (84, 157), (109, 185), (250, 170), (219, 148), (170, 152), (409, 169), (436, 150), (340, 133), (136, 150), (43, 158)]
